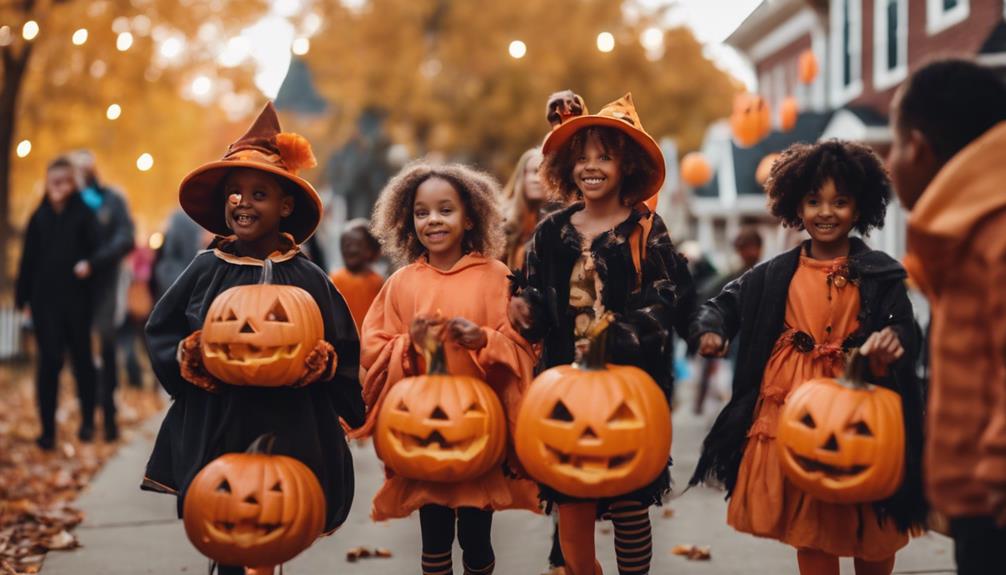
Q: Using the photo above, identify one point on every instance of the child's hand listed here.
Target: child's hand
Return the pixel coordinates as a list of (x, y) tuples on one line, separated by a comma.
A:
[(882, 348), (466, 334), (519, 313), (82, 269), (711, 345), (190, 363), (422, 324)]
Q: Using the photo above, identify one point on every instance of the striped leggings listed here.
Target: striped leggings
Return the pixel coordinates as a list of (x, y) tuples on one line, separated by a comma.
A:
[(633, 538), (473, 529)]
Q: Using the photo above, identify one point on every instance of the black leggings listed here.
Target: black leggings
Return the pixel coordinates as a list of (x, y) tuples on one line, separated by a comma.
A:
[(473, 527), (58, 331)]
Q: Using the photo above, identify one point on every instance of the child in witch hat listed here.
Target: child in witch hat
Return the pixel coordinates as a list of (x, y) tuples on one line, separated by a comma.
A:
[(606, 252), (262, 211)]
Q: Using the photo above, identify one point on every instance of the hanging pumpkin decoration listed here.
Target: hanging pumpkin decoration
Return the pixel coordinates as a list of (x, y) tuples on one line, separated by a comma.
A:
[(789, 111), (695, 169), (751, 120), (440, 427), (843, 441), (807, 67), (262, 334), (593, 429), (765, 168), (254, 509)]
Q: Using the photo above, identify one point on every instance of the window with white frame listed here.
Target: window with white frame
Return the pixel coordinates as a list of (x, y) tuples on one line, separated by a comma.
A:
[(942, 14), (847, 50), (890, 53)]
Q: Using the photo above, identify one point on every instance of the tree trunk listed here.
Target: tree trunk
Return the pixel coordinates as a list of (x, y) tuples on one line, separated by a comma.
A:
[(14, 66)]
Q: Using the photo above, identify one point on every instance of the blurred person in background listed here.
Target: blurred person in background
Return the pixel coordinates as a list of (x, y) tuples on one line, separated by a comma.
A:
[(54, 285), (115, 241), (358, 283)]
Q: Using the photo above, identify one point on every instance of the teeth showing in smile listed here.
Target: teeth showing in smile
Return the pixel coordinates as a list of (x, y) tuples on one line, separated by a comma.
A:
[(593, 181), (589, 463), (244, 219), (825, 227)]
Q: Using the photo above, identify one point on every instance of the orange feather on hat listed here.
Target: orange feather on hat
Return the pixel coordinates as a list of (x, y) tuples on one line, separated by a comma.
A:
[(295, 151)]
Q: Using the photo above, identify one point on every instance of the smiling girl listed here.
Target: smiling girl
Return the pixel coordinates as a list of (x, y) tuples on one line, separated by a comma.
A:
[(445, 223), (261, 211), (604, 253), (797, 316)]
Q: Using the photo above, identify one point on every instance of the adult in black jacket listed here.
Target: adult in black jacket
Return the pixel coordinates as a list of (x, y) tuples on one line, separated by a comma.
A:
[(115, 242), (61, 234)]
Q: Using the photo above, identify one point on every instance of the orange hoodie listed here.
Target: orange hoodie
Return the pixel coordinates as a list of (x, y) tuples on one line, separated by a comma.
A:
[(957, 254)]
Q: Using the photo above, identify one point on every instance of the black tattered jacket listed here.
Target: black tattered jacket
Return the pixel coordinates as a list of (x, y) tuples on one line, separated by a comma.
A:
[(645, 315), (753, 309)]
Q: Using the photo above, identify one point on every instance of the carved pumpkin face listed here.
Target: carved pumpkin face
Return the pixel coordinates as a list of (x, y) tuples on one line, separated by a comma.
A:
[(441, 428), (260, 334), (254, 509), (751, 119), (594, 432), (841, 444)]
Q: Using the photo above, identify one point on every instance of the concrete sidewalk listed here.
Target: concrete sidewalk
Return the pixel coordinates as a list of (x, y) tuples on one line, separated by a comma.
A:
[(127, 531)]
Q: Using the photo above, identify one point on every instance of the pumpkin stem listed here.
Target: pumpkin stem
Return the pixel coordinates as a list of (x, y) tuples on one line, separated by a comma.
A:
[(433, 351), (263, 444), (266, 278), (855, 370), (596, 355)]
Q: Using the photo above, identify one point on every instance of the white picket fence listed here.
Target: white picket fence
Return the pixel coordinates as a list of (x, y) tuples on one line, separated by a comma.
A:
[(11, 339)]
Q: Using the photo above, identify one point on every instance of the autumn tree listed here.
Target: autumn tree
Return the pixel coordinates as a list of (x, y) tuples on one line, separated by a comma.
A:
[(140, 55), (441, 71)]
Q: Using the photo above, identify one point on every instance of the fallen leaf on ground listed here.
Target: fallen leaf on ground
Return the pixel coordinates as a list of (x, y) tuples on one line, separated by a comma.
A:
[(382, 553), (668, 513), (62, 541), (693, 552)]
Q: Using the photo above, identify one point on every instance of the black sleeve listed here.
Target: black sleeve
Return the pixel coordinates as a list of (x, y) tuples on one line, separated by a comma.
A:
[(665, 301), (110, 252), (168, 325), (26, 269), (722, 314), (530, 283), (340, 331)]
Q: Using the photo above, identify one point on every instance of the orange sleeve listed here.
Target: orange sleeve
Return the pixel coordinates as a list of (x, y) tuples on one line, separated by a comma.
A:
[(384, 351), (992, 444)]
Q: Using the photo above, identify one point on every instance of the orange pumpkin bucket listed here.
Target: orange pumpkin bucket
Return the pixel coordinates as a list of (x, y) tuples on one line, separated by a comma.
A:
[(262, 334), (593, 429), (440, 427), (254, 509), (843, 441)]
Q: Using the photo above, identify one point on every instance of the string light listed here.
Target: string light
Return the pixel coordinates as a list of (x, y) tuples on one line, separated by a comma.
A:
[(301, 46), (517, 49), (124, 41), (113, 112), (156, 241), (144, 162), (30, 30), (80, 37), (605, 42), (23, 148)]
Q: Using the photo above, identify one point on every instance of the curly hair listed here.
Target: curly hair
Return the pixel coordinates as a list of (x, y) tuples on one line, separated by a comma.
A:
[(393, 226), (855, 169), (638, 171)]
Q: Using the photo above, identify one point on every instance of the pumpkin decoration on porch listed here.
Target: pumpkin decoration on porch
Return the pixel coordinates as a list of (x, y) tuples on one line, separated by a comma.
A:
[(440, 427), (807, 67), (789, 112), (593, 429), (695, 169), (254, 509), (262, 334), (751, 119), (843, 441)]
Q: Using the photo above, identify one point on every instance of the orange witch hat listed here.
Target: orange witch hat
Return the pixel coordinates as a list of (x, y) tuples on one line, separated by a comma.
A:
[(621, 115), (264, 147)]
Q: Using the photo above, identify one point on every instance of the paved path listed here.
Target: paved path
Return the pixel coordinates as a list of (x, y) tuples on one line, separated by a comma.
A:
[(132, 532)]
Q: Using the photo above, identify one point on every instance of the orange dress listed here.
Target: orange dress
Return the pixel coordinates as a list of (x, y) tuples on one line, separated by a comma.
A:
[(477, 289), (359, 291), (764, 502)]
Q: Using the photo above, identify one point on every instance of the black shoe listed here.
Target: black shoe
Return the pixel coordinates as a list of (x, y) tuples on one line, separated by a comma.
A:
[(111, 432), (46, 442), (86, 433)]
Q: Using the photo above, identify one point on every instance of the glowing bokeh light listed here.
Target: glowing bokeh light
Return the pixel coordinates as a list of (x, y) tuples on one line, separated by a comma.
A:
[(517, 49)]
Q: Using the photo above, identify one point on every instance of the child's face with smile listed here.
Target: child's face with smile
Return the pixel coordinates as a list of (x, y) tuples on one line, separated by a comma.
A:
[(828, 215), (255, 204), (597, 173), (438, 215)]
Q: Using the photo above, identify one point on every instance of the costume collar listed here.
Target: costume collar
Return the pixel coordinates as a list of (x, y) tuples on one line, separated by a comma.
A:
[(225, 250)]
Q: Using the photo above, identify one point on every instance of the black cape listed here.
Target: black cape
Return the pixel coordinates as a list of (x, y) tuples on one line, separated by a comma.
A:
[(752, 309), (200, 426)]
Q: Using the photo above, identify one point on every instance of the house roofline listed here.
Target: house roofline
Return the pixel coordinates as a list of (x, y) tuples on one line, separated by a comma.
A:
[(767, 16)]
